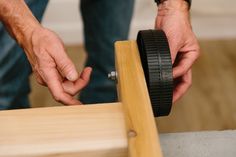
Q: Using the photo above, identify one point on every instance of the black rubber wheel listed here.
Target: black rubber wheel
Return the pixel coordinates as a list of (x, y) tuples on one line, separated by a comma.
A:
[(156, 61)]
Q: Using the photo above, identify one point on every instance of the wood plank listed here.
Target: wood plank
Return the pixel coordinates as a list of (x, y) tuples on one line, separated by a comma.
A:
[(87, 131), (141, 129)]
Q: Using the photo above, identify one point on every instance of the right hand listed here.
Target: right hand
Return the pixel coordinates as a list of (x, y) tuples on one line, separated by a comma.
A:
[(173, 18), (53, 68)]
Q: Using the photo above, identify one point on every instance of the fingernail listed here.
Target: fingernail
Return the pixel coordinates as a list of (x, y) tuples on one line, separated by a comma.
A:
[(72, 76)]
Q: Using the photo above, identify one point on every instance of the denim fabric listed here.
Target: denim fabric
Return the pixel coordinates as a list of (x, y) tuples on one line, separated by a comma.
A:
[(14, 67), (105, 21)]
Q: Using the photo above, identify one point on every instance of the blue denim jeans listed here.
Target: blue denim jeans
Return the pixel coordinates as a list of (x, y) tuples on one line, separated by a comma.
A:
[(14, 67), (105, 21)]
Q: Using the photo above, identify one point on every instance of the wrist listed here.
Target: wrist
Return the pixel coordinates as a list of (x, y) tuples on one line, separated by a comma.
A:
[(25, 32), (181, 5), (18, 20)]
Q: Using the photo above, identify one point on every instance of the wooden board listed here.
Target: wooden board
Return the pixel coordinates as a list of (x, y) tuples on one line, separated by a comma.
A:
[(78, 131), (133, 94)]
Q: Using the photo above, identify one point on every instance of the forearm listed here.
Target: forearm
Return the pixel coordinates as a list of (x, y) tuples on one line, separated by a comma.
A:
[(18, 19)]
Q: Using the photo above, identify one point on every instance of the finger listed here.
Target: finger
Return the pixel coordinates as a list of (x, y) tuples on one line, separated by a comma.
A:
[(188, 55), (182, 86), (184, 63), (37, 76), (74, 87), (64, 64), (55, 86), (39, 79)]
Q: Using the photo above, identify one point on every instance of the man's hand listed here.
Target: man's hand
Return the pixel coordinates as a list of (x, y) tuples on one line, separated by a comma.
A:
[(53, 68), (173, 18), (45, 51)]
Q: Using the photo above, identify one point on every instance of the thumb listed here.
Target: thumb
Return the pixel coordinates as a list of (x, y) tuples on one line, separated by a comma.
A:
[(73, 88), (67, 69), (64, 65)]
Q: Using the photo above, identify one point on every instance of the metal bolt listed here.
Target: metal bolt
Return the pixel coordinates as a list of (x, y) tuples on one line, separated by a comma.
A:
[(112, 75)]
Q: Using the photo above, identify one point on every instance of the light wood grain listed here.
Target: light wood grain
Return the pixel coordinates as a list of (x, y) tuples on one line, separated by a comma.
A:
[(79, 131), (133, 94)]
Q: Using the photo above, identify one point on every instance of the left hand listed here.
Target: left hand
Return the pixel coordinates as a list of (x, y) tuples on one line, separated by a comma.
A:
[(52, 67), (173, 18)]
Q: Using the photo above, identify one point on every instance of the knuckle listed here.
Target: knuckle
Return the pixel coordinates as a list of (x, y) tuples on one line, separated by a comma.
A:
[(35, 67), (39, 51), (197, 49), (183, 68), (38, 78), (73, 92), (189, 84), (40, 81), (66, 67)]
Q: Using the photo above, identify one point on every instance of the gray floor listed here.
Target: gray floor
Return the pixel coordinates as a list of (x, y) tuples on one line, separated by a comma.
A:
[(199, 144)]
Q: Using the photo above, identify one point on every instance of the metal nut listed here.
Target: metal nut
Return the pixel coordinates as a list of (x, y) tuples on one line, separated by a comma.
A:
[(112, 75)]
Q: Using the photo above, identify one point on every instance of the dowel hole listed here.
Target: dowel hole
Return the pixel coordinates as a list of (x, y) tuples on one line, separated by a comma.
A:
[(132, 133)]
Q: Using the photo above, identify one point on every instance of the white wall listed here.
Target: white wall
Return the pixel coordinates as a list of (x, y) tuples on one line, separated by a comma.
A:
[(63, 17), (210, 18), (214, 18)]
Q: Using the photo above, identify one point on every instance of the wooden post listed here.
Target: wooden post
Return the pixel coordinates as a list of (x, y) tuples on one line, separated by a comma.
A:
[(133, 94), (123, 129)]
